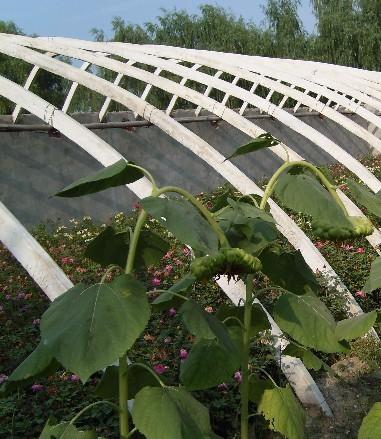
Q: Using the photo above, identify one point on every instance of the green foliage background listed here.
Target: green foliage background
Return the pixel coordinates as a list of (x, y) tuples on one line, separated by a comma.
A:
[(347, 32)]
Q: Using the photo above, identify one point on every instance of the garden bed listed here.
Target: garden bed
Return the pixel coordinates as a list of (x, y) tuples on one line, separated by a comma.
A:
[(165, 342)]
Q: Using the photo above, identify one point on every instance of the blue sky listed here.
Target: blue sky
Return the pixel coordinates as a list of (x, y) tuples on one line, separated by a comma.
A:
[(75, 18)]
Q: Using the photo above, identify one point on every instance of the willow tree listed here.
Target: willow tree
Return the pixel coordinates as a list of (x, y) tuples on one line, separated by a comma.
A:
[(45, 84)]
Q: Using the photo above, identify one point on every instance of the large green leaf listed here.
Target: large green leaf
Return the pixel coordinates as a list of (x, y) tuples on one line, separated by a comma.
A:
[(257, 387), (371, 424), (259, 319), (150, 249), (221, 201), (264, 140), (237, 209), (89, 327), (365, 197), (39, 363), (214, 347), (247, 227), (64, 430), (310, 360), (170, 413), (167, 300), (208, 364), (373, 281), (355, 327), (289, 271), (203, 324), (303, 193), (117, 174), (138, 377), (111, 247), (184, 221), (286, 416), (308, 321)]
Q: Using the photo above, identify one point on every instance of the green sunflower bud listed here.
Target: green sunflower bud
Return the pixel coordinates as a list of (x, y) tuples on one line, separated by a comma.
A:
[(355, 228), (230, 261)]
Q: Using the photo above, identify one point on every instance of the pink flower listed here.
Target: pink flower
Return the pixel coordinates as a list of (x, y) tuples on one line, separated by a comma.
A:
[(168, 255), (36, 322), (178, 262), (160, 368), (186, 251), (156, 282), (238, 376), (183, 354), (319, 244), (209, 309), (157, 273), (167, 340), (172, 312), (360, 294), (168, 269), (360, 250), (8, 296), (3, 377), (74, 378), (136, 205), (222, 387), (346, 247), (67, 261), (37, 388)]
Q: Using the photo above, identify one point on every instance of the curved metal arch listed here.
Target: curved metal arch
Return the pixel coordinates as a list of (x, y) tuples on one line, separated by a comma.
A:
[(36, 261), (339, 74), (288, 92), (328, 89), (213, 106), (230, 116), (263, 78), (72, 129), (287, 119), (326, 68), (54, 282)]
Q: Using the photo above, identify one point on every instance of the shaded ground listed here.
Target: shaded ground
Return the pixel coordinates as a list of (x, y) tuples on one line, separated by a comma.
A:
[(350, 397)]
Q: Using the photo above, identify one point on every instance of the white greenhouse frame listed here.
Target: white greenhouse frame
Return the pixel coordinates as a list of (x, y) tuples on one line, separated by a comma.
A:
[(318, 87)]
